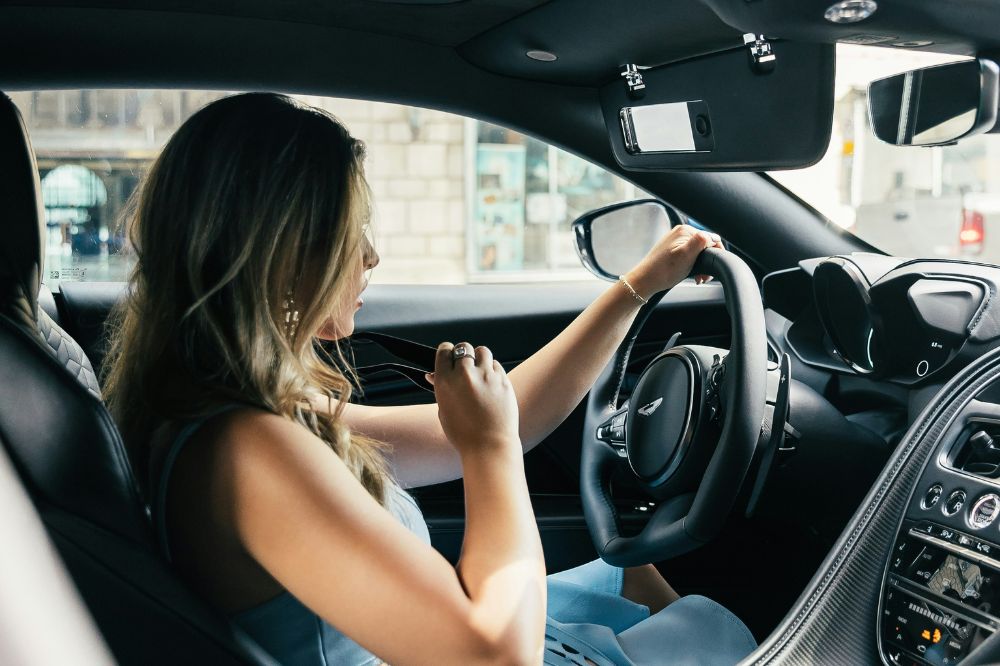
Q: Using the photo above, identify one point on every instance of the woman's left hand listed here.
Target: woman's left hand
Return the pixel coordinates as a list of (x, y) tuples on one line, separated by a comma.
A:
[(671, 260)]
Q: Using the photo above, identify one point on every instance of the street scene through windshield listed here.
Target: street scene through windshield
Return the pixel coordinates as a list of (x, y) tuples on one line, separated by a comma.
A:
[(941, 201)]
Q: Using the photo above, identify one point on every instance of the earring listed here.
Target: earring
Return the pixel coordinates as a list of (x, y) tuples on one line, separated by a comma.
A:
[(291, 314)]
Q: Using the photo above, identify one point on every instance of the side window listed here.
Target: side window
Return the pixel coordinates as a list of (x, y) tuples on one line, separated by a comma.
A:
[(459, 200), (524, 195), (93, 147), (456, 200)]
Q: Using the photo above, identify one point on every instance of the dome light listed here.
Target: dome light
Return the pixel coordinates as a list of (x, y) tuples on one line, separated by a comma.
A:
[(850, 11), (541, 56)]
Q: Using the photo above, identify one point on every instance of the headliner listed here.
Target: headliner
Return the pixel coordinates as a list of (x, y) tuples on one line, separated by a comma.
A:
[(591, 37)]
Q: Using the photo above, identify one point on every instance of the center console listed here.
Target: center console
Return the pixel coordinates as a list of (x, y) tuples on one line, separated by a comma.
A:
[(941, 590), (941, 595)]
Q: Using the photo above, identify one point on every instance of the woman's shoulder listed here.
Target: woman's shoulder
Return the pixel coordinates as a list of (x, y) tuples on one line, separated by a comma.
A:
[(168, 433), (248, 444), (224, 423)]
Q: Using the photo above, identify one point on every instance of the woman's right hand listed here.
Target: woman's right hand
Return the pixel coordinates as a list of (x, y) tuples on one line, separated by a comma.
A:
[(476, 402)]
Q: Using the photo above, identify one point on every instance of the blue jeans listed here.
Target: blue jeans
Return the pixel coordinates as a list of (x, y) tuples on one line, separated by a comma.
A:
[(588, 617)]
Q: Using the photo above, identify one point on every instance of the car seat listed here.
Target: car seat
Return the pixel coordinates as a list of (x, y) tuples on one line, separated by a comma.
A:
[(70, 457)]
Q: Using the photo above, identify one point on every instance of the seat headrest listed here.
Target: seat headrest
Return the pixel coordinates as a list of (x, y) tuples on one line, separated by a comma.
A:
[(61, 438), (22, 219)]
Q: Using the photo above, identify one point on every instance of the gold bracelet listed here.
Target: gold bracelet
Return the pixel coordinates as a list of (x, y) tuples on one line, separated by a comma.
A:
[(631, 289)]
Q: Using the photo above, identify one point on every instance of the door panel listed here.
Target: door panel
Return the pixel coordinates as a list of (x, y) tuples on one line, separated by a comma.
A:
[(514, 321)]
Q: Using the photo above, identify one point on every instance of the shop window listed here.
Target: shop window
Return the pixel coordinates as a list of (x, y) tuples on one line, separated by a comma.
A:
[(525, 193)]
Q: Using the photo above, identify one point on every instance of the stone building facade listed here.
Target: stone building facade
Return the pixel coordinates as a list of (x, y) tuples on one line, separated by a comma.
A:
[(415, 166)]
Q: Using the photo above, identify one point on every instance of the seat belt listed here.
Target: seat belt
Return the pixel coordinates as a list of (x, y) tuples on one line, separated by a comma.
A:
[(421, 356)]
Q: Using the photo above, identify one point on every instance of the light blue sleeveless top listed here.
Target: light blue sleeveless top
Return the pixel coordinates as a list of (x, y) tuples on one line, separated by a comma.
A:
[(587, 614), (283, 626)]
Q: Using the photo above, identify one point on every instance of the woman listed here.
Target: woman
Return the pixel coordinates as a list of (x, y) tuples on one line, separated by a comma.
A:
[(277, 499)]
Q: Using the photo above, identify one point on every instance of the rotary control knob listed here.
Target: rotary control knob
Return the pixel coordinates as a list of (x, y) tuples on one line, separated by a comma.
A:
[(954, 503), (932, 496), (984, 511)]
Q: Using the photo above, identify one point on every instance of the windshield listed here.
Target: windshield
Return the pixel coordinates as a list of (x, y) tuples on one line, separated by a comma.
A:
[(908, 202)]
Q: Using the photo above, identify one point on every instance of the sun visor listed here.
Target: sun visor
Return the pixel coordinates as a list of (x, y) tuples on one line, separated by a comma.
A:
[(723, 112)]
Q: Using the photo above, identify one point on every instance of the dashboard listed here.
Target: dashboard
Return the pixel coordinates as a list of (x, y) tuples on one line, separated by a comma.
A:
[(926, 586), (903, 321)]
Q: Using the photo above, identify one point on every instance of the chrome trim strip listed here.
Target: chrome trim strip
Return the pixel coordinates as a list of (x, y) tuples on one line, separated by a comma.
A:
[(957, 550)]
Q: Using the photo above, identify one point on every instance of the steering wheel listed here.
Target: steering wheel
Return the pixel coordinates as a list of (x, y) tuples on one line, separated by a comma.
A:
[(687, 433)]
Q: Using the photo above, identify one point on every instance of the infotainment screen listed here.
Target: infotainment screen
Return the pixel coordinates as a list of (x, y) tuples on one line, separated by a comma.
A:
[(939, 604), (956, 578), (959, 579)]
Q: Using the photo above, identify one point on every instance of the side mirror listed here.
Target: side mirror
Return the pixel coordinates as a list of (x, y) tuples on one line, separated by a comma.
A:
[(936, 105), (613, 239)]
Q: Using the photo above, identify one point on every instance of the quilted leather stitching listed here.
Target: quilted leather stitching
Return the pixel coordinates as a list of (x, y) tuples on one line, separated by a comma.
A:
[(69, 353)]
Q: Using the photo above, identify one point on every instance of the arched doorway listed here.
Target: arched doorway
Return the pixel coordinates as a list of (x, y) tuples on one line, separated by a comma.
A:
[(74, 198)]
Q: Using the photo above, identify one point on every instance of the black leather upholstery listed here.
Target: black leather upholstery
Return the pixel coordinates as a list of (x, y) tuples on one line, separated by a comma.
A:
[(87, 306), (71, 459), (21, 219), (21, 253), (37, 593), (61, 438), (67, 350), (144, 613)]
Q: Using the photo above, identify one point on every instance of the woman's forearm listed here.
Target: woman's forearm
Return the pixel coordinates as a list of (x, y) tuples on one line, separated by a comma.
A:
[(552, 381), (502, 567)]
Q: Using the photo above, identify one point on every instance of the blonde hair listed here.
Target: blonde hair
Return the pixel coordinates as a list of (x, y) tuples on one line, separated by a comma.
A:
[(255, 198)]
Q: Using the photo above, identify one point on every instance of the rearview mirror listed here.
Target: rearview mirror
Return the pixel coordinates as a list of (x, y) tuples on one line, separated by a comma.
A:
[(613, 239), (936, 105)]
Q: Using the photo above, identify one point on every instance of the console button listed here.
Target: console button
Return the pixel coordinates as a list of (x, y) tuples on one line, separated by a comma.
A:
[(984, 511), (949, 535), (983, 548), (932, 496), (954, 503), (926, 564), (912, 626), (902, 556), (943, 533)]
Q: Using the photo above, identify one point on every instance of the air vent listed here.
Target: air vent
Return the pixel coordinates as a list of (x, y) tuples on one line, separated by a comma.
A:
[(979, 450)]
